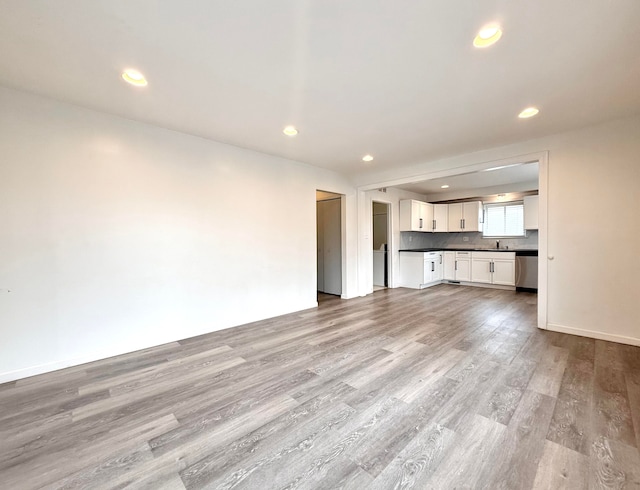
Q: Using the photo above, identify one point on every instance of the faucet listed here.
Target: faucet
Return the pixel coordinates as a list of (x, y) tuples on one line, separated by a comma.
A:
[(497, 243)]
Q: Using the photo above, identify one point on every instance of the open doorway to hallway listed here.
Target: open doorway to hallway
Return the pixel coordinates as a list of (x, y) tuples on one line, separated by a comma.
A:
[(381, 233), (329, 242)]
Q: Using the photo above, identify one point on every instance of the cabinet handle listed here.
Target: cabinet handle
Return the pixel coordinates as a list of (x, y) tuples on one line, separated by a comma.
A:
[(456, 266), (464, 223), (492, 267), (420, 222), (441, 259), (434, 225), (433, 266), (461, 225)]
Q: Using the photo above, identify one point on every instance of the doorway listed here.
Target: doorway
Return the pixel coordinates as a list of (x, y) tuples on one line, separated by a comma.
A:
[(329, 242), (381, 234)]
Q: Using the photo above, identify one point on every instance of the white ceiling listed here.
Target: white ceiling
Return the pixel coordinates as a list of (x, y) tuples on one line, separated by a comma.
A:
[(508, 179), (401, 81)]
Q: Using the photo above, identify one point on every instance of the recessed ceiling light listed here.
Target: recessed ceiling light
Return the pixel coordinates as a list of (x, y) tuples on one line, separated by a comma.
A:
[(446, 186), (487, 36), (367, 158), (528, 112), (134, 77), (290, 131), (501, 167)]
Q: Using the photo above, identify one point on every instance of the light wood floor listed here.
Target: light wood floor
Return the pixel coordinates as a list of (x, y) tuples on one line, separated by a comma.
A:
[(449, 387)]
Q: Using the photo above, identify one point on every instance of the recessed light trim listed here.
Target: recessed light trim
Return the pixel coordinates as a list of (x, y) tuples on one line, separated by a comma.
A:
[(445, 186), (487, 36), (528, 112), (367, 158), (134, 77), (290, 131)]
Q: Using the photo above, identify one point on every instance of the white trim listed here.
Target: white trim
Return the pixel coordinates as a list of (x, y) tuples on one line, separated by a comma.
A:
[(594, 334), (67, 363), (543, 220), (29, 371), (462, 169), (478, 285), (390, 242)]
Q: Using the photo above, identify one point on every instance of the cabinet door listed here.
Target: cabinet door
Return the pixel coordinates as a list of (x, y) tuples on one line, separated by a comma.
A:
[(411, 269), (531, 212), (439, 267), (463, 269), (441, 217), (481, 270), (427, 216), (417, 216), (455, 217), (429, 271), (412, 215), (449, 272), (504, 272), (472, 216)]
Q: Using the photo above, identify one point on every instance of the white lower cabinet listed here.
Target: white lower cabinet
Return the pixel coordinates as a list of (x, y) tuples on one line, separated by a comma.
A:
[(463, 266), (422, 269), (419, 269), (493, 268), (449, 269), (504, 271), (456, 266)]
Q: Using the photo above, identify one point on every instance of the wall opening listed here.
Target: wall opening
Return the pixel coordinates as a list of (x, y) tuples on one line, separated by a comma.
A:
[(329, 242), (381, 235)]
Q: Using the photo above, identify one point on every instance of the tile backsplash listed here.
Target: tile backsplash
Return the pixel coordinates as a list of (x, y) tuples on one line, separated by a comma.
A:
[(414, 239)]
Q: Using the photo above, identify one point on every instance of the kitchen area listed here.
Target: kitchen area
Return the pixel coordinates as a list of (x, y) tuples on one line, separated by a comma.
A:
[(476, 237)]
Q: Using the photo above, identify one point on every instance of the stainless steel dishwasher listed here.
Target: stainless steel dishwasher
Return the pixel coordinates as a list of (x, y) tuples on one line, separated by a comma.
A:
[(527, 270)]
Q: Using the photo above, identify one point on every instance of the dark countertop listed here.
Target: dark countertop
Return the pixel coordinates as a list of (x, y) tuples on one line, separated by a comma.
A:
[(518, 251)]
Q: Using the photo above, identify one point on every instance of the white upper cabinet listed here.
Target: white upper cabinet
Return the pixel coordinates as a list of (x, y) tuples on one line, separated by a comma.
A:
[(424, 216), (465, 216), (440, 218), (416, 215), (531, 212)]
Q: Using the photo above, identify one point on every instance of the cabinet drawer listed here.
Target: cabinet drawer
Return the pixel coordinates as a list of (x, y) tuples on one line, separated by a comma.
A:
[(494, 255)]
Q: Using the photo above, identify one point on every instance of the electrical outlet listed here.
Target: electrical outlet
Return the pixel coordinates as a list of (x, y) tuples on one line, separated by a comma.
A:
[(410, 238), (465, 238)]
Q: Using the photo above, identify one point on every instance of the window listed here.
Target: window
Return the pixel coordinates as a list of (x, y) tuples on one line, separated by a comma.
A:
[(502, 220)]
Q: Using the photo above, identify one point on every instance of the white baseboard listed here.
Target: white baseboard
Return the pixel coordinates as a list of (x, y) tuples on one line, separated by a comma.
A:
[(594, 334), (65, 363), (479, 285), (26, 372)]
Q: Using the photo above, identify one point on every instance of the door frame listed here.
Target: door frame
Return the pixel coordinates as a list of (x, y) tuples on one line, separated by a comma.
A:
[(388, 263), (343, 241)]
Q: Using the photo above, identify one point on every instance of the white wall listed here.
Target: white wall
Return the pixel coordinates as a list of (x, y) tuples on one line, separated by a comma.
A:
[(593, 231), (115, 235)]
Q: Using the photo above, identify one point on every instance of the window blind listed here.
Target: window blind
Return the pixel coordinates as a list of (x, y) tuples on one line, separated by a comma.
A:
[(503, 219)]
